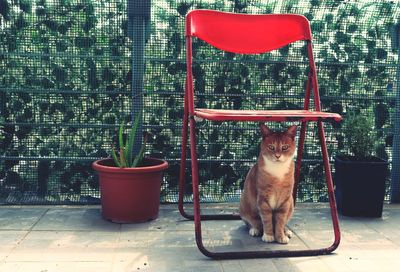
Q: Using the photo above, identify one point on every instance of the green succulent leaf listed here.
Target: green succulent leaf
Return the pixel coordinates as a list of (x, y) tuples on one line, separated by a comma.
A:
[(139, 157), (131, 140), (115, 158), (122, 157), (120, 136)]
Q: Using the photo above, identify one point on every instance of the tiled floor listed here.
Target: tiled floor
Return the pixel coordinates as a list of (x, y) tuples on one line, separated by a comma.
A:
[(60, 238)]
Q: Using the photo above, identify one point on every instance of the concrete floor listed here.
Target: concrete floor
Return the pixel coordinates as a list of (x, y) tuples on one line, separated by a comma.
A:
[(60, 238)]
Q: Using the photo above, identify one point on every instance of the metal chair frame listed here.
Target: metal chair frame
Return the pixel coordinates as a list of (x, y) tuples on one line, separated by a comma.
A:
[(251, 34)]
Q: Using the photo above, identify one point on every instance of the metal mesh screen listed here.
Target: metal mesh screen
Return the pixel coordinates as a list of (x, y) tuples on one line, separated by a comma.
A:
[(65, 85)]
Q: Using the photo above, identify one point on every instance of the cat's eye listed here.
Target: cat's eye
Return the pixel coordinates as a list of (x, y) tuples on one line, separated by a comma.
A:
[(271, 147), (285, 147)]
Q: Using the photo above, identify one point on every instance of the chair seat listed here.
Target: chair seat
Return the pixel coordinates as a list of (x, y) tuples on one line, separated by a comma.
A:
[(266, 115)]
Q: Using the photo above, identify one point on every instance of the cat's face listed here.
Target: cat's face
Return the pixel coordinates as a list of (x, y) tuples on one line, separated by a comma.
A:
[(278, 146)]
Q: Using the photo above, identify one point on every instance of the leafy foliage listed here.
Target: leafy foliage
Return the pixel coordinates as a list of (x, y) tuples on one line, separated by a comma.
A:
[(359, 134), (65, 82)]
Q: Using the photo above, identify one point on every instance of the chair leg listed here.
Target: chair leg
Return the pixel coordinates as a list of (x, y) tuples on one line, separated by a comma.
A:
[(195, 184), (329, 183), (182, 171)]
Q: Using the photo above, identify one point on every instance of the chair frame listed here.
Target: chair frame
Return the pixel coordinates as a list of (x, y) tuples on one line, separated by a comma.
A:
[(189, 126)]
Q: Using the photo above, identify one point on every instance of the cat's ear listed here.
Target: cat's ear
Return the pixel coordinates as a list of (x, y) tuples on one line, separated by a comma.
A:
[(265, 131), (291, 131)]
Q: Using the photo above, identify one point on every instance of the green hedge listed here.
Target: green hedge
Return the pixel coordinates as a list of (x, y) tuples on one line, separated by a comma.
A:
[(65, 81)]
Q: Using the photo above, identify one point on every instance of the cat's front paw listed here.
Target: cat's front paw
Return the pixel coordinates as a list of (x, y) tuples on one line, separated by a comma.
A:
[(254, 232), (282, 239), (268, 238), (288, 233)]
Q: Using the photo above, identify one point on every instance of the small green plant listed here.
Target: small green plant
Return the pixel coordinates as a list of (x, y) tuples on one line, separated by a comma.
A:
[(359, 134), (125, 157)]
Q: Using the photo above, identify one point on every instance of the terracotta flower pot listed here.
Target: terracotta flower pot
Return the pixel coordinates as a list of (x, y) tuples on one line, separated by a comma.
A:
[(130, 195)]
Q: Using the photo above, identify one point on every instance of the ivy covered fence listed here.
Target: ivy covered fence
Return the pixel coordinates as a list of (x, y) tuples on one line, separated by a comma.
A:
[(66, 81)]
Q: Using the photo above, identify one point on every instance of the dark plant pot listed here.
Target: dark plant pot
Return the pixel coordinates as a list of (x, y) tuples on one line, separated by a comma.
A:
[(130, 195), (360, 186)]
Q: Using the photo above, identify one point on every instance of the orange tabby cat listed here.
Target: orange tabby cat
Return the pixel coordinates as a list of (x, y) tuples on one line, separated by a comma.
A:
[(266, 204)]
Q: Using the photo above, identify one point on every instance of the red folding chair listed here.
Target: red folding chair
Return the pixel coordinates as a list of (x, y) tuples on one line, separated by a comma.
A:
[(251, 34)]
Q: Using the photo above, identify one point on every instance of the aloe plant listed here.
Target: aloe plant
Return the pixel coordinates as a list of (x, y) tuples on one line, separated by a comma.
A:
[(125, 157)]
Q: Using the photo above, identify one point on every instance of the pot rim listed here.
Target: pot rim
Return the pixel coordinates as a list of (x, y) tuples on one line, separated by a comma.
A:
[(159, 165), (348, 159)]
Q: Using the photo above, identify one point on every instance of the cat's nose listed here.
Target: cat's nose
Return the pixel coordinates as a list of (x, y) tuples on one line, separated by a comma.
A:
[(277, 155)]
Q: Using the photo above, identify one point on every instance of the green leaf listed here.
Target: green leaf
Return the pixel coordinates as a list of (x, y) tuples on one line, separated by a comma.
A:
[(139, 157), (121, 146), (114, 156), (122, 157), (120, 136), (131, 139)]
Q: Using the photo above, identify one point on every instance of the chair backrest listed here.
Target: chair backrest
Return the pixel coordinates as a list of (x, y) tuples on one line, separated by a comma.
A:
[(244, 33), (248, 34)]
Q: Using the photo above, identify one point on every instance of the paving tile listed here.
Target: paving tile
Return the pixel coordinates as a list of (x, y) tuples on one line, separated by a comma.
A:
[(258, 265), (158, 240), (88, 219), (169, 219), (207, 265), (337, 261), (161, 223), (231, 266), (316, 238), (306, 264), (131, 261), (180, 255), (46, 246), (226, 225), (9, 240), (152, 267), (57, 266), (20, 218), (369, 265)]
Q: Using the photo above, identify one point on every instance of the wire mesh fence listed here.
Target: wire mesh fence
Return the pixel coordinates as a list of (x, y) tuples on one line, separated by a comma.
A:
[(66, 85)]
